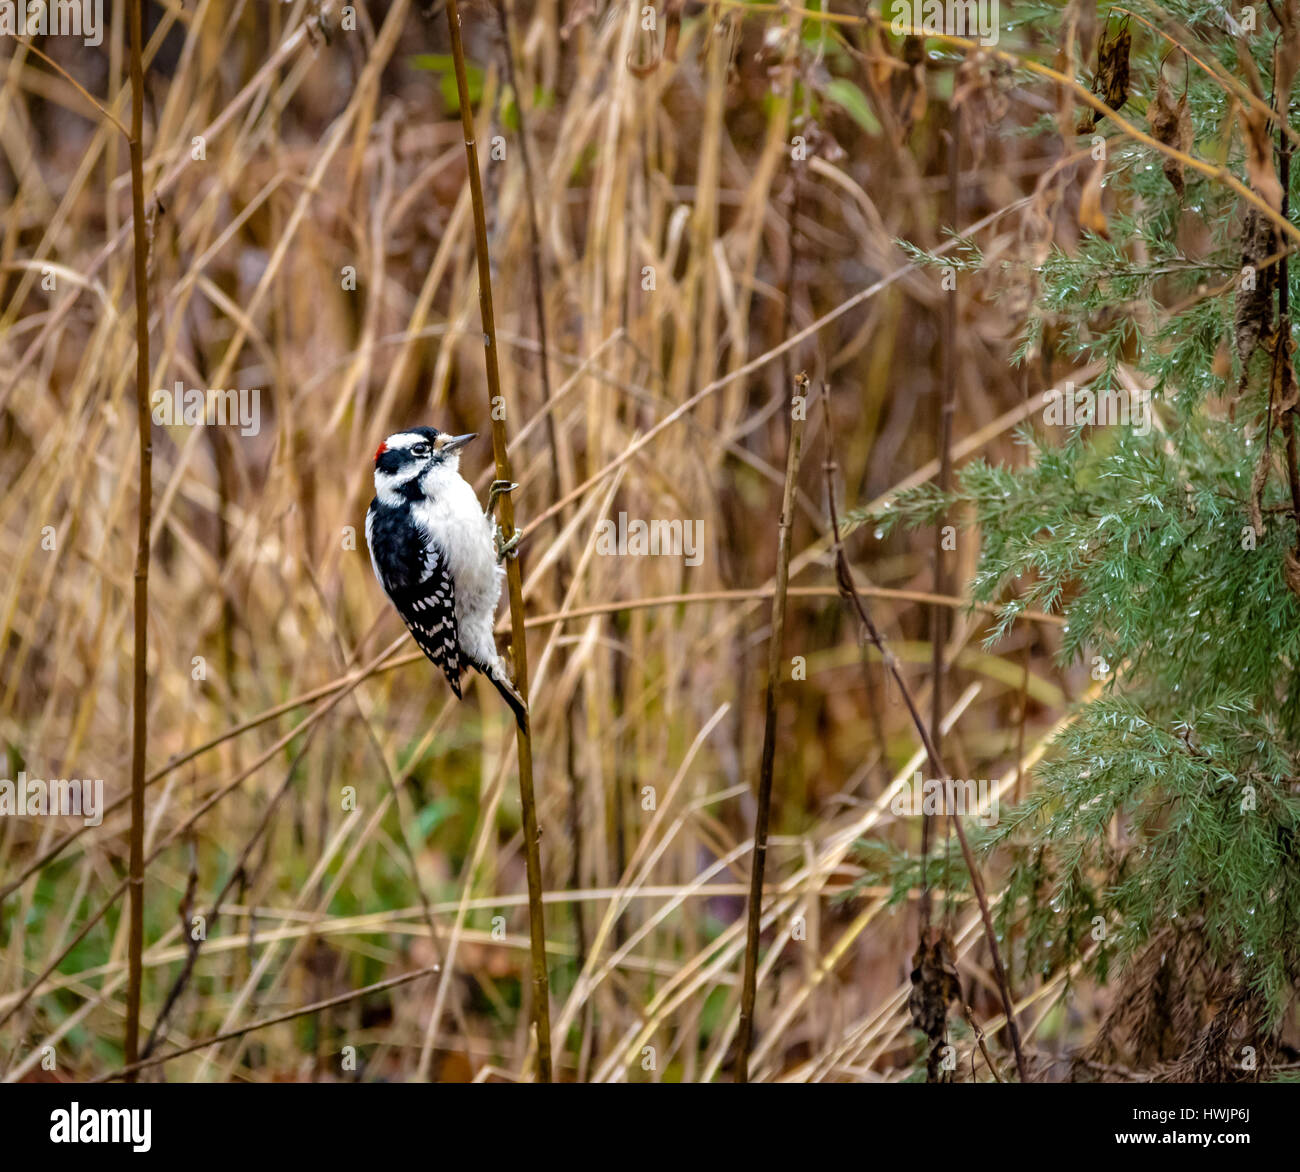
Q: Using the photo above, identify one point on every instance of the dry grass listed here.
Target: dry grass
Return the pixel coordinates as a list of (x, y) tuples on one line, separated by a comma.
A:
[(670, 402)]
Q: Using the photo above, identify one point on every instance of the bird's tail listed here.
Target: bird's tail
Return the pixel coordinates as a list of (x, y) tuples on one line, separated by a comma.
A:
[(496, 672)]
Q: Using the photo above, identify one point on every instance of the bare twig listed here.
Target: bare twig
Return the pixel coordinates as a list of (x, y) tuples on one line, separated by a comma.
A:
[(535, 239), (947, 400), (768, 758), (127, 1073), (139, 724), (1282, 353), (237, 870), (72, 81), (845, 577), (563, 573)]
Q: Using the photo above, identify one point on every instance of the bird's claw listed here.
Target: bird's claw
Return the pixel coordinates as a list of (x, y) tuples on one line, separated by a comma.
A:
[(507, 548), (497, 489)]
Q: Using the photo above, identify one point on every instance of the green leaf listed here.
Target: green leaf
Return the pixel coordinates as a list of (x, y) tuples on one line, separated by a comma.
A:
[(444, 67), (854, 103), (432, 816)]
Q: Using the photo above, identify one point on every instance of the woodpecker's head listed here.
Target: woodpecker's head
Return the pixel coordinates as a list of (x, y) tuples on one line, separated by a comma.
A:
[(409, 464)]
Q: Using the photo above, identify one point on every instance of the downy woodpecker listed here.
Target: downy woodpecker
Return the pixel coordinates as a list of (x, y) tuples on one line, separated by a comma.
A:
[(437, 555)]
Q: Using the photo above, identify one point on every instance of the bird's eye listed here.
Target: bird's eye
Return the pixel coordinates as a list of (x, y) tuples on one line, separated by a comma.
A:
[(420, 449)]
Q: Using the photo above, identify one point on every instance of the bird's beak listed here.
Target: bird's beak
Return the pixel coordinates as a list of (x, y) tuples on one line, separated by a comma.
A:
[(457, 441)]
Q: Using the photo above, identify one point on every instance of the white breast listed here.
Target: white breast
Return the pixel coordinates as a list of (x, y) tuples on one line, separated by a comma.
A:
[(454, 520)]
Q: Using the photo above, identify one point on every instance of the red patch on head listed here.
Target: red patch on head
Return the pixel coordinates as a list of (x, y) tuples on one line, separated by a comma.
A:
[(379, 451)]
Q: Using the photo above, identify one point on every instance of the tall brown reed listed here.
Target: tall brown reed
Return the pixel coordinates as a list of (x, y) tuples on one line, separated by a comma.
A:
[(139, 703), (767, 755), (514, 582)]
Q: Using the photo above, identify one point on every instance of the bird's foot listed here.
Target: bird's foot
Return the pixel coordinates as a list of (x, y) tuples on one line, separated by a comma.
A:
[(507, 548), (497, 489)]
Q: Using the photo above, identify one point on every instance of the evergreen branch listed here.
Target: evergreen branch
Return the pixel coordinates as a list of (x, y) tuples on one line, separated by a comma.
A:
[(1226, 81)]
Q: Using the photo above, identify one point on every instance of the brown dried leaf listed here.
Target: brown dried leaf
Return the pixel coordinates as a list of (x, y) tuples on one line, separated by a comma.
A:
[(909, 87), (1110, 82), (1171, 124), (1063, 97), (1254, 300), (1038, 226), (1092, 218), (882, 65), (978, 96), (1259, 157), (1257, 481), (1115, 76), (934, 985), (1286, 57), (1284, 393), (1291, 571)]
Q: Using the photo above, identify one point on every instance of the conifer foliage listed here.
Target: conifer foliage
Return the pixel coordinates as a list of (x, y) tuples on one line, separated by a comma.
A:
[(1157, 851)]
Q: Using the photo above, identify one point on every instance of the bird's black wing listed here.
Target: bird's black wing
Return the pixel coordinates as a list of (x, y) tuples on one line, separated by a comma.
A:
[(415, 575), (429, 610)]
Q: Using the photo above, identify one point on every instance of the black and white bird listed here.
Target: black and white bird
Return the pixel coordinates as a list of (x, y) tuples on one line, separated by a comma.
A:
[(437, 555)]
